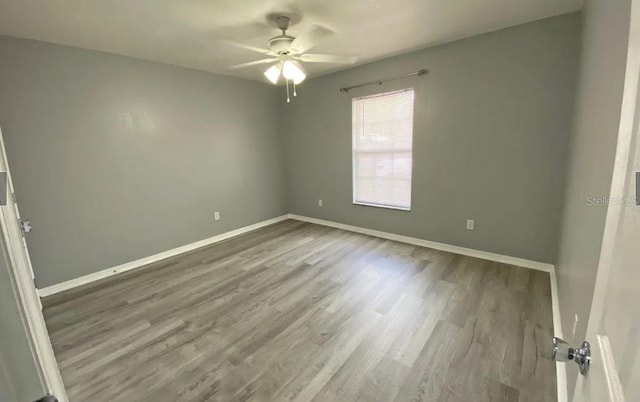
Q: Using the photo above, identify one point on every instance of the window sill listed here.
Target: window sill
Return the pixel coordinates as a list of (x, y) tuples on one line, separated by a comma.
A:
[(382, 206)]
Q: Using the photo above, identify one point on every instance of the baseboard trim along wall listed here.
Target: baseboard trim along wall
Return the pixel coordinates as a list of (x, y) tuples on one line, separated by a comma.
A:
[(105, 273), (521, 262), (541, 266)]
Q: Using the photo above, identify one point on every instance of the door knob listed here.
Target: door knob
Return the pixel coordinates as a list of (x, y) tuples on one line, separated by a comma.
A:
[(563, 352)]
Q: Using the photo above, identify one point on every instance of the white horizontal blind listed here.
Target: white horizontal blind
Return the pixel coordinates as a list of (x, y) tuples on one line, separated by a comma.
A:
[(382, 149)]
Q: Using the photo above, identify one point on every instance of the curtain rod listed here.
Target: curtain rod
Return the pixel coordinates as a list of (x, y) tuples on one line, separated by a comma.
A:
[(419, 73)]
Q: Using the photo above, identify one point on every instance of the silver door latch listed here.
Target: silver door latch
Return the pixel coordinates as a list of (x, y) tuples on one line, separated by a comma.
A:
[(25, 226), (562, 352)]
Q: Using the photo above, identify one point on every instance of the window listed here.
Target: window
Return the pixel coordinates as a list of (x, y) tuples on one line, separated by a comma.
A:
[(382, 149)]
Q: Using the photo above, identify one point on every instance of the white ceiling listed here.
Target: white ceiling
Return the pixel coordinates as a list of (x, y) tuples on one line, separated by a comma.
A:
[(189, 32)]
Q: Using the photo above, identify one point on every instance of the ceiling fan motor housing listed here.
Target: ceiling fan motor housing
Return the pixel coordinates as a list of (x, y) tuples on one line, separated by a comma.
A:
[(280, 44)]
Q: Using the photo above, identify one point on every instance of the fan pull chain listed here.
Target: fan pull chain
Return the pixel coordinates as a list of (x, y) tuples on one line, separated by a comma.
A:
[(294, 89), (288, 99)]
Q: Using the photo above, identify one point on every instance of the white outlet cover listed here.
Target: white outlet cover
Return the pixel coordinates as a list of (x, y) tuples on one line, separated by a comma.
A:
[(470, 224), (320, 203)]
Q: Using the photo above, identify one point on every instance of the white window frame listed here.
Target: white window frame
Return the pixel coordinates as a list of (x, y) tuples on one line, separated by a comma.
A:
[(353, 154)]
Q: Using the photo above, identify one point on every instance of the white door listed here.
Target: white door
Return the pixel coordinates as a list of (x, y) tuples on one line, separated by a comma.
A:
[(614, 320), (21, 272)]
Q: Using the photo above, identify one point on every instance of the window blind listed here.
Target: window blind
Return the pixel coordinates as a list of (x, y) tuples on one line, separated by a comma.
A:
[(382, 149)]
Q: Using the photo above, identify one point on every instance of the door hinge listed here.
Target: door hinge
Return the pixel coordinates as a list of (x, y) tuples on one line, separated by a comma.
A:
[(25, 225)]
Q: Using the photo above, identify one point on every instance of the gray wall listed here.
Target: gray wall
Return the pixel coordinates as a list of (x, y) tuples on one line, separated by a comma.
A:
[(19, 381), (116, 159), (492, 121), (592, 152)]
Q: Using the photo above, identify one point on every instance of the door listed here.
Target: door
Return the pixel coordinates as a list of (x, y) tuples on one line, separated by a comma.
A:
[(16, 258), (614, 320)]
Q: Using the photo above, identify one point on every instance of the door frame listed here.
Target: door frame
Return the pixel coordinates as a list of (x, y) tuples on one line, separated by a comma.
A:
[(26, 295)]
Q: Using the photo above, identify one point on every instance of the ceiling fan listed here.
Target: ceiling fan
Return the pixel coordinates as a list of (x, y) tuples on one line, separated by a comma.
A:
[(285, 55)]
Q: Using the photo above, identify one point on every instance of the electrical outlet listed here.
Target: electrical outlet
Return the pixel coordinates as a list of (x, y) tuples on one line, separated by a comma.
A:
[(470, 224), (216, 216), (575, 325), (320, 203)]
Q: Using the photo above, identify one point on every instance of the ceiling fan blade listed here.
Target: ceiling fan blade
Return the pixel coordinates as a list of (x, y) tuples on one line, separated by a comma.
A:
[(308, 40), (253, 63), (327, 58), (246, 47)]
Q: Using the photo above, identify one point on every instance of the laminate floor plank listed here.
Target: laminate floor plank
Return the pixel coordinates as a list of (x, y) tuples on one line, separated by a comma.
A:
[(299, 312)]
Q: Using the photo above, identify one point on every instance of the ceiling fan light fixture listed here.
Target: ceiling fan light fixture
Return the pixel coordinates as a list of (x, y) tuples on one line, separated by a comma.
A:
[(292, 70), (273, 73)]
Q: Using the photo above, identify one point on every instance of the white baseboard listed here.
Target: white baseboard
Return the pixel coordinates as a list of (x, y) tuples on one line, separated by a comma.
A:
[(561, 374), (560, 368), (521, 262), (105, 273), (83, 280)]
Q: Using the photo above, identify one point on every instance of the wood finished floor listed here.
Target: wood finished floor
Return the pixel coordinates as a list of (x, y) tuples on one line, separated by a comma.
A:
[(297, 311)]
